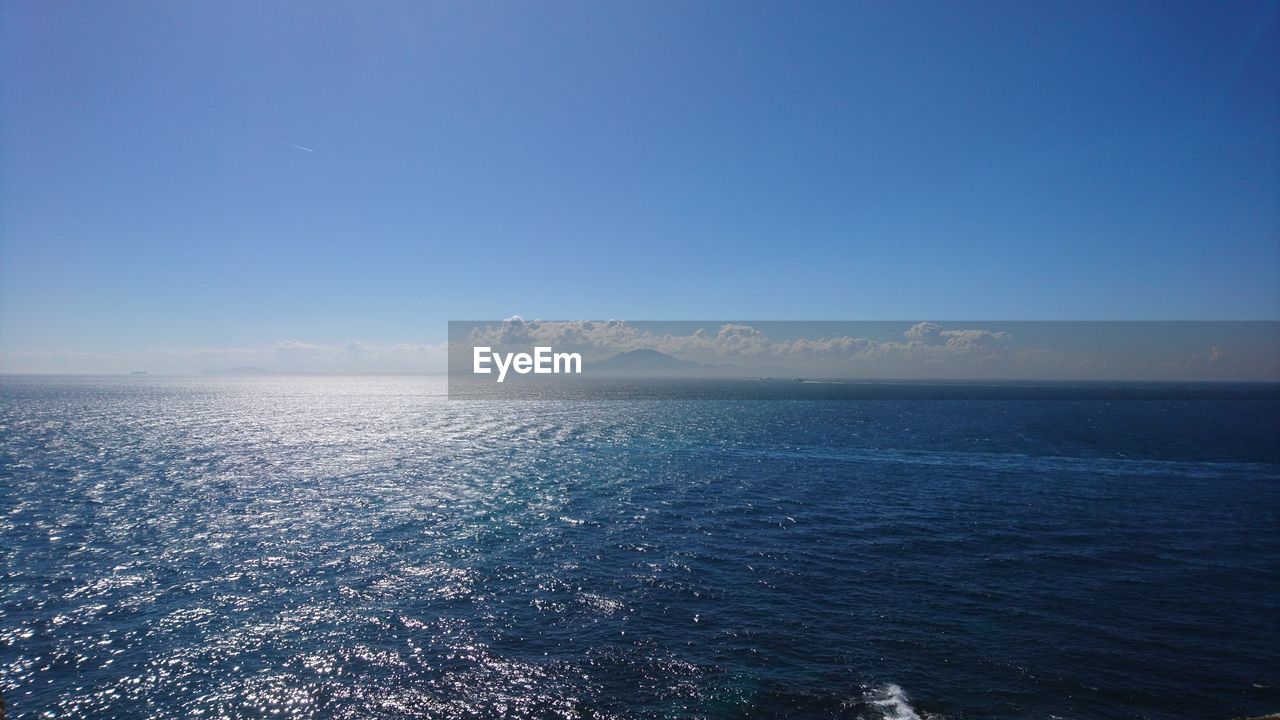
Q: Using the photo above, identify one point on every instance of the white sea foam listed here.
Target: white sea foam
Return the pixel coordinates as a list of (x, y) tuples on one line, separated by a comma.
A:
[(892, 703)]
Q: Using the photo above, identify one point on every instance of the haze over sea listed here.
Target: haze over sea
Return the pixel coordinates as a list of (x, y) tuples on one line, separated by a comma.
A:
[(352, 547)]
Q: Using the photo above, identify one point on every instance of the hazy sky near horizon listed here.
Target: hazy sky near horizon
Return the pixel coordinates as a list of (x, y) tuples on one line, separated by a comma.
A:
[(195, 175)]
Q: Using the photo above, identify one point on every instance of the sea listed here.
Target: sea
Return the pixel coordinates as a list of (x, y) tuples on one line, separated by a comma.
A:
[(365, 547)]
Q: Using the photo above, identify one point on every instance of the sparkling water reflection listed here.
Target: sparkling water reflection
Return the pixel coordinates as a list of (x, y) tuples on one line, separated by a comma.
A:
[(362, 547)]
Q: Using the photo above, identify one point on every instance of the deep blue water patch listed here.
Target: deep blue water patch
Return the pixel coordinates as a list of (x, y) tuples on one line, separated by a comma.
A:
[(363, 547)]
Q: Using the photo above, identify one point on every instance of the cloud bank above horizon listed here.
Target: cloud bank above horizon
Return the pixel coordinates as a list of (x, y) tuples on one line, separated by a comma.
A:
[(940, 350), (956, 350)]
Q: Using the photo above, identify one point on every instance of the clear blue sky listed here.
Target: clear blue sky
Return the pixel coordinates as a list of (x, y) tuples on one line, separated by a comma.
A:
[(646, 160)]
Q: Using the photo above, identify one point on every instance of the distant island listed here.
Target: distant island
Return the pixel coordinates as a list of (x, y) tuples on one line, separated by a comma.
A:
[(646, 362), (242, 370)]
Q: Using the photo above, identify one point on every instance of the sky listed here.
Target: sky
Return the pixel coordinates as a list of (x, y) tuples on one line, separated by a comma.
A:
[(195, 178)]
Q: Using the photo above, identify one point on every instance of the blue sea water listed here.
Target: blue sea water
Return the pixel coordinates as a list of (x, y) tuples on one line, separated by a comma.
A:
[(366, 548)]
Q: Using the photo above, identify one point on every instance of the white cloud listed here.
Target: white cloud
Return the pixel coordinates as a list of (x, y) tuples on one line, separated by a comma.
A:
[(738, 343), (1214, 358)]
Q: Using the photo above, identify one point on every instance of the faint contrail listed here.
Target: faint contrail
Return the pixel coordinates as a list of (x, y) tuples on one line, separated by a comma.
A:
[(299, 147)]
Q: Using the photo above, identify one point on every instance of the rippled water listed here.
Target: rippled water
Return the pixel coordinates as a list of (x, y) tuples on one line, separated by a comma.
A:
[(363, 547)]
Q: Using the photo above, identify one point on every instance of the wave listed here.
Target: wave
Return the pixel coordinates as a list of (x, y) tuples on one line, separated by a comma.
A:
[(892, 702), (996, 461)]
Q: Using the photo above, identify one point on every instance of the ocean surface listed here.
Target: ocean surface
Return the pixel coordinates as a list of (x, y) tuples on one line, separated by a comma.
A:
[(365, 548)]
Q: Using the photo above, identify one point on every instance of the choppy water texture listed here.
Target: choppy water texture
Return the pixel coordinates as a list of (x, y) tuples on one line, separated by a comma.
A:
[(362, 547)]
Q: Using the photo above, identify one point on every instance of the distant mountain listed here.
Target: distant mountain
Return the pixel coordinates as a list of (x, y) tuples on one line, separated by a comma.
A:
[(241, 370), (646, 362)]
